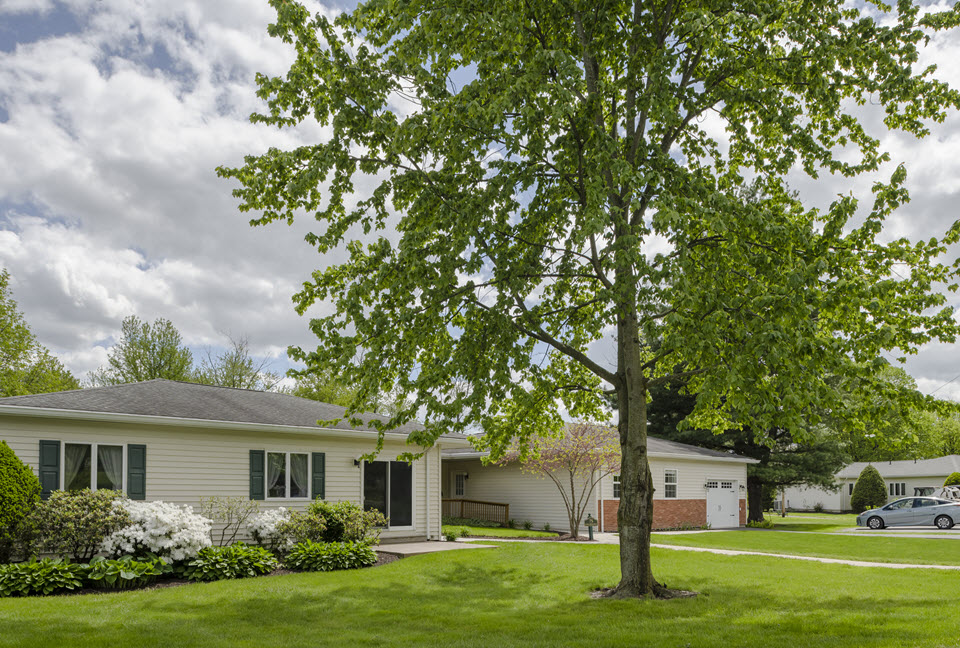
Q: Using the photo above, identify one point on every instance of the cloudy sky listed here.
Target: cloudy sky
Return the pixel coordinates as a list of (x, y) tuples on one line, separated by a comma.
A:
[(114, 115)]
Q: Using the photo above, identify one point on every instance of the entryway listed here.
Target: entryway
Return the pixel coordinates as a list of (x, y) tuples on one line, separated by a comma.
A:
[(723, 504)]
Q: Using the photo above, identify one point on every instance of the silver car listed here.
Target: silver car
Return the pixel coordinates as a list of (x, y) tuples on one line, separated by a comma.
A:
[(913, 511)]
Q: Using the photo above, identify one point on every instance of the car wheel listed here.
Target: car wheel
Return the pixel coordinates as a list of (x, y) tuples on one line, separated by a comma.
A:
[(943, 522), (875, 523)]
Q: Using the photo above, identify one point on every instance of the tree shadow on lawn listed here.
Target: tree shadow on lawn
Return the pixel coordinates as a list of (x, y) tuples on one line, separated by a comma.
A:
[(500, 600)]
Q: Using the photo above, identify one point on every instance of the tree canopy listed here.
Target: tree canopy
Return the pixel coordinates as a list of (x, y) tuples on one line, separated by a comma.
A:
[(145, 352), (236, 368), (26, 366), (572, 195)]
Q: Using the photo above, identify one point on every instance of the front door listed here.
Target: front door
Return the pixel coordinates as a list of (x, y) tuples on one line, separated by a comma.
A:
[(723, 504)]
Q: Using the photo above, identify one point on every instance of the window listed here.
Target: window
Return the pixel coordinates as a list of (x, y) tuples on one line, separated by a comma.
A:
[(459, 484), (616, 487), (93, 466), (898, 489), (670, 484), (713, 484), (288, 475), (851, 489), (726, 484), (388, 488)]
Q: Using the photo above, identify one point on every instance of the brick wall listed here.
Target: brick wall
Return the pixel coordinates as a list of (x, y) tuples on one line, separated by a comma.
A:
[(669, 514)]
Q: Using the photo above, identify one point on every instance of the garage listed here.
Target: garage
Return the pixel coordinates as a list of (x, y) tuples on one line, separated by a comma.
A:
[(723, 504)]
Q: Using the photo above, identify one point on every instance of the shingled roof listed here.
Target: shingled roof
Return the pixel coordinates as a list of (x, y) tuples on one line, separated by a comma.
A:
[(181, 400), (655, 448)]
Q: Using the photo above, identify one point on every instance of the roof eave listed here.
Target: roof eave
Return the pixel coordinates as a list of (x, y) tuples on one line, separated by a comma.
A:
[(170, 421)]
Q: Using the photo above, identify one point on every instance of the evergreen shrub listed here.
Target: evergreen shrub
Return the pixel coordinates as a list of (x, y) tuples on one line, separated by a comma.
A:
[(869, 491)]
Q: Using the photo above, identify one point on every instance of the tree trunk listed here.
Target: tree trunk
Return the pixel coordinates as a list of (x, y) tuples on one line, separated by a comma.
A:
[(754, 500), (635, 516)]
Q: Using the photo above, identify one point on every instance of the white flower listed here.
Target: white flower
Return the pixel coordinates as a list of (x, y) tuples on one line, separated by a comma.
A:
[(162, 528), (263, 526)]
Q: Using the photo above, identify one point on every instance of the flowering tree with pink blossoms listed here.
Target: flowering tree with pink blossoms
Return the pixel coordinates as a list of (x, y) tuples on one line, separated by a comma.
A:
[(575, 462)]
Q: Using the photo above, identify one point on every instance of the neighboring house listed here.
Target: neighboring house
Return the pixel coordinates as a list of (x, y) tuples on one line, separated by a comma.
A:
[(692, 487), (901, 478), (178, 442)]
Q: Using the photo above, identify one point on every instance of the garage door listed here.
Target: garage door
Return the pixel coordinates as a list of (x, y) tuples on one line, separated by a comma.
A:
[(723, 504)]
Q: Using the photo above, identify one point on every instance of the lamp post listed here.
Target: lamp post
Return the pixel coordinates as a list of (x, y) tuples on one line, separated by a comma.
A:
[(590, 523)]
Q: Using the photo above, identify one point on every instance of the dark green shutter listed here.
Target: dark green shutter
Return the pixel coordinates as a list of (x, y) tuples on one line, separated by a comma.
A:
[(257, 461), (319, 476), (49, 467), (137, 471)]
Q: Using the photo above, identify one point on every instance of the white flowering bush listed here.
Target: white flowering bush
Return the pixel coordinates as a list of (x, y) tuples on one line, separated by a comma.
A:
[(161, 528), (266, 529)]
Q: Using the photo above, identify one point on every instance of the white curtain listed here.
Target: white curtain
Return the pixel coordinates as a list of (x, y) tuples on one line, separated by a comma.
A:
[(110, 461), (74, 457), (276, 479), (298, 476)]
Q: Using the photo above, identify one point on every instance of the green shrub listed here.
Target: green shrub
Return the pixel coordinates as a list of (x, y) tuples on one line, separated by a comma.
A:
[(125, 572), (512, 524), (818, 507), (953, 479), (236, 561), (47, 576), (332, 522), (19, 495), (75, 523), (869, 491), (546, 526), (451, 533), (764, 524), (527, 524), (330, 556)]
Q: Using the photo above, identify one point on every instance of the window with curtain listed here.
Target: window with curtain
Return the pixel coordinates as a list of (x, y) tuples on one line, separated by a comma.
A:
[(288, 475), (93, 466)]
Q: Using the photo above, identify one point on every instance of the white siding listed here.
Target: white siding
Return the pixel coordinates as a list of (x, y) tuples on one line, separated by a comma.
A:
[(530, 496), (801, 498), (692, 474), (185, 464)]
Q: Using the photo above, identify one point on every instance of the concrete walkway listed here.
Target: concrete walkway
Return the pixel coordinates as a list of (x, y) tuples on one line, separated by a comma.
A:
[(407, 549), (834, 561)]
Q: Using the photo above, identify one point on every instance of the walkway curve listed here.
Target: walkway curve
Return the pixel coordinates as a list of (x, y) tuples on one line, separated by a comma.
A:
[(835, 561)]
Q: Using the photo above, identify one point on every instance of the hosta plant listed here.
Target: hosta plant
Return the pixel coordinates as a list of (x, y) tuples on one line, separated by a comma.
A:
[(236, 561), (41, 577), (126, 572), (330, 556)]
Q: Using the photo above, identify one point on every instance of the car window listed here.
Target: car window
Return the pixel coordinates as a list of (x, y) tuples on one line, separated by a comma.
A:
[(922, 501), (899, 504)]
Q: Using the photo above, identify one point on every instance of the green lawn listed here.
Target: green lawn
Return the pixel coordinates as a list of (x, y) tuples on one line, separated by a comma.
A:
[(520, 594), (924, 551), (497, 532), (822, 522)]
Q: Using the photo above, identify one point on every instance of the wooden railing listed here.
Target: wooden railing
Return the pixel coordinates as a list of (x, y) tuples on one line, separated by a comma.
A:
[(464, 508)]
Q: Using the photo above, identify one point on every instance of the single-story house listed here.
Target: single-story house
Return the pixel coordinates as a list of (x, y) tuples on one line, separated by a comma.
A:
[(901, 477), (692, 487), (178, 442)]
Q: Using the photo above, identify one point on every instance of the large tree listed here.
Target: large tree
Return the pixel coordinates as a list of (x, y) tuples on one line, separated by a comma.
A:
[(26, 366), (146, 351), (553, 186)]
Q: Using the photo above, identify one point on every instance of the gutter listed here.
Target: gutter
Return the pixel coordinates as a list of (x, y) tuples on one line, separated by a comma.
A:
[(208, 424)]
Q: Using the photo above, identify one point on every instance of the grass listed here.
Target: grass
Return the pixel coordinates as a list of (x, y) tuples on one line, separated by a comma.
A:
[(497, 532), (924, 551), (527, 594), (820, 522)]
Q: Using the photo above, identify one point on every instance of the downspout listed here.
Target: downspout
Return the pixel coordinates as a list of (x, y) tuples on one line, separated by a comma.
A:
[(427, 493)]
